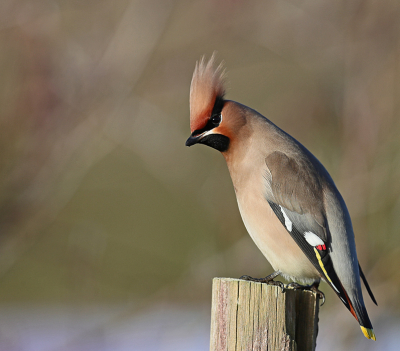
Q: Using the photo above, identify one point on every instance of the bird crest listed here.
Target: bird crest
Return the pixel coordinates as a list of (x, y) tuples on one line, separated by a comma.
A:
[(206, 88)]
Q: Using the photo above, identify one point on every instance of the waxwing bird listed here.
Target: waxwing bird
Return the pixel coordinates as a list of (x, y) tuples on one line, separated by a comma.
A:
[(288, 202)]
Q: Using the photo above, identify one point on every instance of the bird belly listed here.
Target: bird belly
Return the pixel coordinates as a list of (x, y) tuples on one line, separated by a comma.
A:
[(273, 240)]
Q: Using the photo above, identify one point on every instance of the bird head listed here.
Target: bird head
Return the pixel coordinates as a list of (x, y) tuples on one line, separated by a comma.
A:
[(210, 122)]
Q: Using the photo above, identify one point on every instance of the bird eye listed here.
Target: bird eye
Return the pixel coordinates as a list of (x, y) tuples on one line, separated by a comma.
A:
[(216, 119)]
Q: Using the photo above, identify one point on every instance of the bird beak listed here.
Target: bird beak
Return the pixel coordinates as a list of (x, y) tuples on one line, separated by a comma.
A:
[(217, 141), (194, 139)]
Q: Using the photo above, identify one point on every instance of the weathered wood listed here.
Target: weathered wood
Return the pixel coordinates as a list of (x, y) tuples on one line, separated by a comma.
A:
[(249, 316)]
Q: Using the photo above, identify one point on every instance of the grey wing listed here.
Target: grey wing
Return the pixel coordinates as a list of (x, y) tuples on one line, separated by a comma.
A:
[(297, 189), (294, 192)]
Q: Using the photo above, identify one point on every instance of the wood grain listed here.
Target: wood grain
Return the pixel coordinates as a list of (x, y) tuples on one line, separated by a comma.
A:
[(253, 316)]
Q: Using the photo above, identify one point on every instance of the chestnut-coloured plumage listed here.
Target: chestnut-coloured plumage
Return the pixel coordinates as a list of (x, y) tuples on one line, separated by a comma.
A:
[(288, 201)]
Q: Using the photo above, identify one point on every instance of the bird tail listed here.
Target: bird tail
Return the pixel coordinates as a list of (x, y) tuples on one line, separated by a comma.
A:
[(359, 312), (368, 333), (367, 285)]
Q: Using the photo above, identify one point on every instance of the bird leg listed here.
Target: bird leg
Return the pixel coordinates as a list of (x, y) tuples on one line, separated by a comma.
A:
[(313, 287), (269, 279)]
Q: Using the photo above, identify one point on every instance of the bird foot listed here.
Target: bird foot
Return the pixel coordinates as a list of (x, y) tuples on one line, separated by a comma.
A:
[(269, 279), (313, 287)]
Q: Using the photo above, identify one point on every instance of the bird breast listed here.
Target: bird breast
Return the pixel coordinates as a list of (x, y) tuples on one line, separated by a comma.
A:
[(264, 227)]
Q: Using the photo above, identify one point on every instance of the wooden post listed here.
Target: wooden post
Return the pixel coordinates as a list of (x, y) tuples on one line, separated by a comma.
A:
[(249, 316)]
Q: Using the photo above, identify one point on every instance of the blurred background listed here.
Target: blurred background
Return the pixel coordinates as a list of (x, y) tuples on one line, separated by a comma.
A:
[(112, 229)]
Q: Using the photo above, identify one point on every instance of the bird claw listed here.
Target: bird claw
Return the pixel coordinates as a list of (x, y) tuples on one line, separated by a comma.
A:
[(294, 285), (313, 288), (319, 293), (247, 277), (267, 280), (276, 283)]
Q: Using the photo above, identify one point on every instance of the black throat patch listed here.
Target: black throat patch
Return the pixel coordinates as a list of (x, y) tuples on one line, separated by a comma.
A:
[(216, 141)]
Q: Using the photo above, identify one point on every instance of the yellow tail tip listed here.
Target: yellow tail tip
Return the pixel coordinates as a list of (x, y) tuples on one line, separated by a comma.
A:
[(368, 333)]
